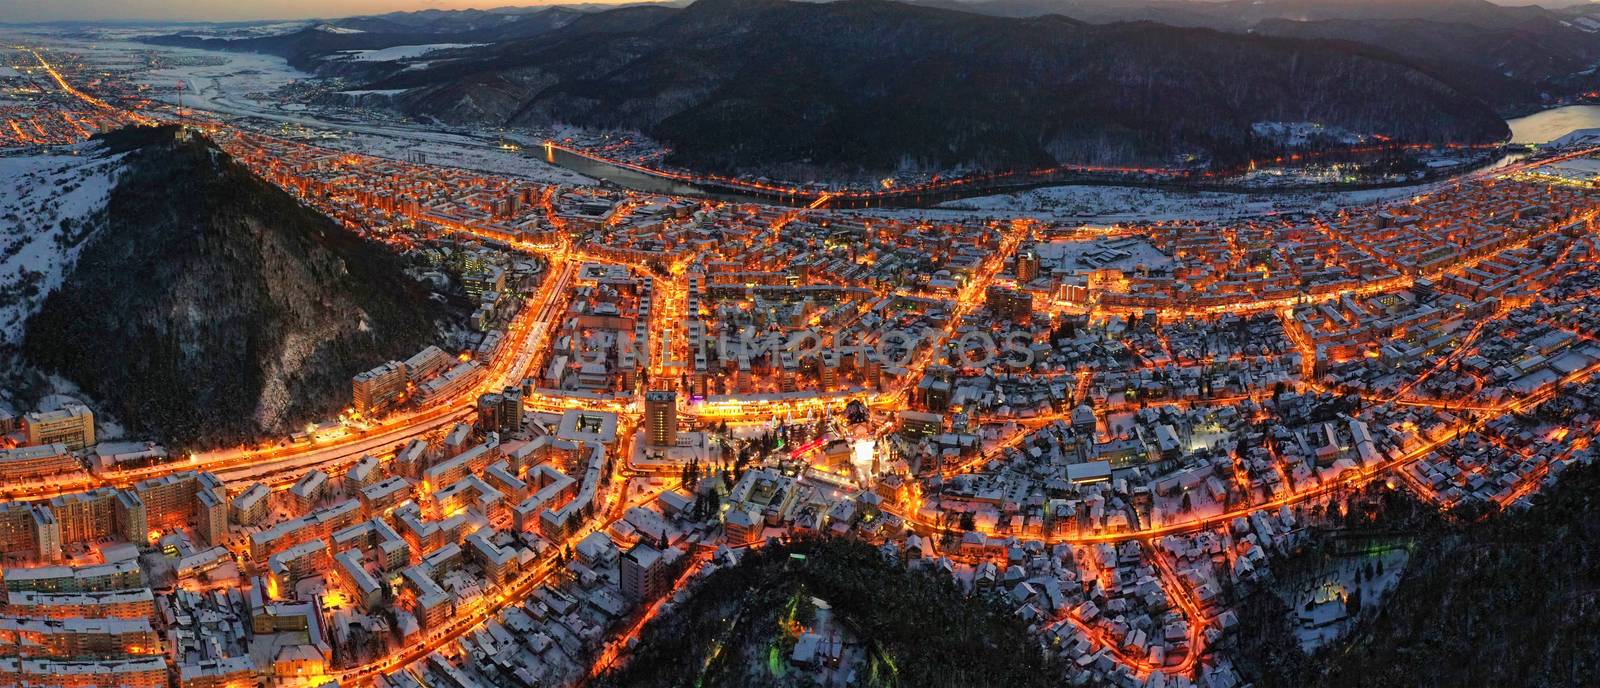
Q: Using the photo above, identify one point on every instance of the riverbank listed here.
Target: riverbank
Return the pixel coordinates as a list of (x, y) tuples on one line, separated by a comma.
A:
[(942, 194)]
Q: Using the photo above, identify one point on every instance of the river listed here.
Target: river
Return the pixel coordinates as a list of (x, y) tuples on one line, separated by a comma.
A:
[(630, 179), (1538, 128), (1552, 124)]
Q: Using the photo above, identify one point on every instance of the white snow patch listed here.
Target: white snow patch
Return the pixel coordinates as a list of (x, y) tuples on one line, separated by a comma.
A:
[(329, 28), (398, 52), (375, 92), (1110, 204), (50, 206), (238, 85), (1297, 134)]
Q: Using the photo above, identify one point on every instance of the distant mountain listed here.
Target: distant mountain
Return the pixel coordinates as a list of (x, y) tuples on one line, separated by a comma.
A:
[(212, 304), (1512, 69), (868, 86), (1509, 57), (306, 46), (491, 24), (1241, 15)]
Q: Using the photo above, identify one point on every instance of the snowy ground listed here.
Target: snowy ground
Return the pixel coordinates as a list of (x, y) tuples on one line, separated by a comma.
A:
[(1108, 204), (396, 53), (233, 32), (452, 150), (49, 206), (1319, 606), (1297, 134), (240, 85), (1122, 253)]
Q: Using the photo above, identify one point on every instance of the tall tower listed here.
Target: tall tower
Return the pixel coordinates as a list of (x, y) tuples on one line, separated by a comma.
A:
[(661, 418), (1027, 266), (511, 410), (489, 408)]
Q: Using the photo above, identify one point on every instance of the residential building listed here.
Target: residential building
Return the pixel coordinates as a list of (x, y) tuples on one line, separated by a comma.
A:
[(72, 425)]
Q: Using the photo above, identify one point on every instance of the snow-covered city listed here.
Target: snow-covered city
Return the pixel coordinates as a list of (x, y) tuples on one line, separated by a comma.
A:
[(1160, 422)]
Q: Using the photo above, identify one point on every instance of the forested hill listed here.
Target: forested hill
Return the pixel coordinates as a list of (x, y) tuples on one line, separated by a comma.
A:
[(1510, 601), (918, 627), (214, 305), (861, 86)]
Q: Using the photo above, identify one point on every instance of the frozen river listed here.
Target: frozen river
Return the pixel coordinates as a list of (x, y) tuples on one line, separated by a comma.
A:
[(1552, 124)]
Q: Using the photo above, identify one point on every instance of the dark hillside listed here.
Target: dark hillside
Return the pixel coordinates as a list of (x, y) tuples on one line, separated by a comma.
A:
[(864, 86), (917, 627), (214, 305), (1510, 601)]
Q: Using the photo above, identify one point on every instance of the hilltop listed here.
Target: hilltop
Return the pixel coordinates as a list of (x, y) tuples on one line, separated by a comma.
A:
[(211, 304), (898, 626)]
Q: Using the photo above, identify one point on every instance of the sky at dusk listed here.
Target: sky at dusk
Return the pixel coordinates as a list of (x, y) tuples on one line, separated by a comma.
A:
[(225, 10), (236, 10)]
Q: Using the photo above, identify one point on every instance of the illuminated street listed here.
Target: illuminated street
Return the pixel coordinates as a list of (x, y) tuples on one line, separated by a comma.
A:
[(1114, 428)]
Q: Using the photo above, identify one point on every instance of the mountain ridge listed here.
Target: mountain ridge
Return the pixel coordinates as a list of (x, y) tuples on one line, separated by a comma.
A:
[(866, 85), (215, 305)]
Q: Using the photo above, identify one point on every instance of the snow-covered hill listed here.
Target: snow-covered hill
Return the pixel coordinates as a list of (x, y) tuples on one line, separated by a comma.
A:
[(50, 205)]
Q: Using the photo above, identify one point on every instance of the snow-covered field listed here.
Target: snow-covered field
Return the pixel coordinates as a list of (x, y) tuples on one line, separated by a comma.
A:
[(1122, 253), (398, 52), (50, 205), (1110, 204), (212, 80), (238, 85), (329, 28), (441, 148), (233, 32)]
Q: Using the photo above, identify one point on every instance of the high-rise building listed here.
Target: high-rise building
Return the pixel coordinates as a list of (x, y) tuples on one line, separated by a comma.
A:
[(511, 410), (299, 562), (85, 516), (363, 473), (1027, 265), (309, 490), (46, 535), (376, 390), (137, 603), (72, 425), (489, 406), (123, 672), (25, 464), (131, 517), (427, 363), (16, 527), (170, 501), (211, 517), (647, 572), (30, 529), (69, 579), (251, 505), (1009, 303), (661, 418)]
